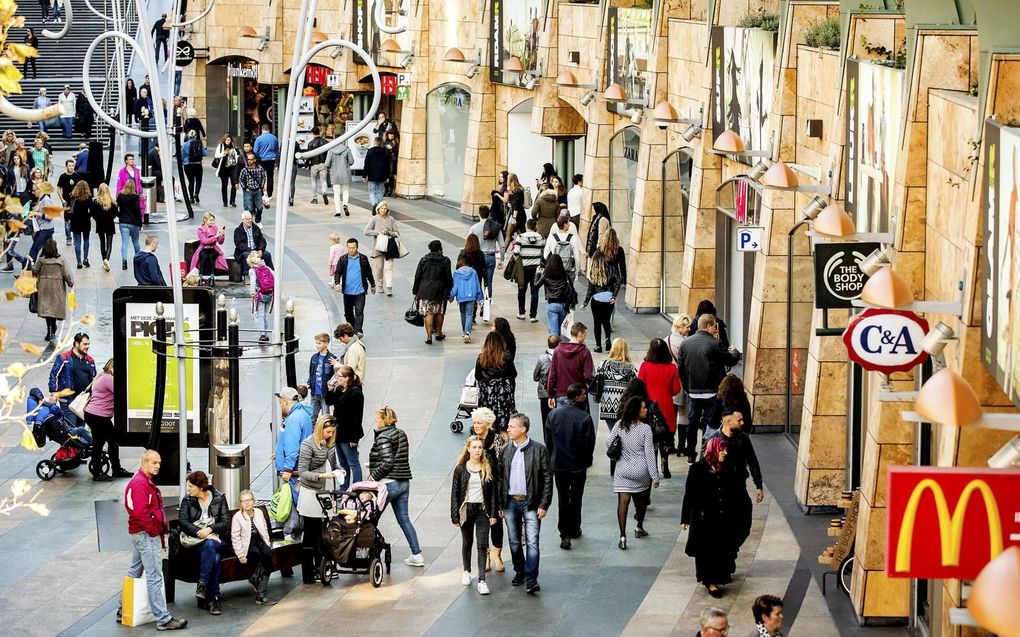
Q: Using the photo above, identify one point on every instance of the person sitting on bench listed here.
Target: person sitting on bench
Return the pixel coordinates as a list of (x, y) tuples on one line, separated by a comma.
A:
[(248, 238)]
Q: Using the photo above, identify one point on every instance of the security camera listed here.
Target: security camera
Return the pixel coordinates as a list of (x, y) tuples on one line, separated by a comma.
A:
[(693, 131), (472, 70), (815, 206), (587, 98), (636, 118), (336, 53), (1008, 456), (875, 262), (530, 84), (758, 170)]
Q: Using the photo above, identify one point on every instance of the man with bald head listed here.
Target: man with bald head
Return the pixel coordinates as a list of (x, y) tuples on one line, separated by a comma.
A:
[(702, 361), (147, 526), (248, 237)]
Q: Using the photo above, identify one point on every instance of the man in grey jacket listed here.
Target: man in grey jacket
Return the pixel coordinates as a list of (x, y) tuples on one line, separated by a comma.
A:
[(541, 376), (703, 361)]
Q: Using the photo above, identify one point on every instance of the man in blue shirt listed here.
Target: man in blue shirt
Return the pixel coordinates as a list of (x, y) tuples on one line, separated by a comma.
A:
[(297, 425), (267, 149), (352, 278), (320, 369)]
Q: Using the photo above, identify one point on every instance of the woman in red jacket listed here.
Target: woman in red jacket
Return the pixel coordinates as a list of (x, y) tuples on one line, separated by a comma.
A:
[(660, 375)]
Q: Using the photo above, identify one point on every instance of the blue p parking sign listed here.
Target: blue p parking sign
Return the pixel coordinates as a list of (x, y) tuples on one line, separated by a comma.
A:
[(749, 238)]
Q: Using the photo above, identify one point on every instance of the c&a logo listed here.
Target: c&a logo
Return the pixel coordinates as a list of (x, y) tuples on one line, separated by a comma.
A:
[(971, 530)]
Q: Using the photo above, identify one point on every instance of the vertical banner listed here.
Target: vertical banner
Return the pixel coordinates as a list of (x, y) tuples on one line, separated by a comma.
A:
[(850, 150), (742, 83), (360, 31), (515, 27), (1000, 337), (718, 88), (611, 17), (496, 41)]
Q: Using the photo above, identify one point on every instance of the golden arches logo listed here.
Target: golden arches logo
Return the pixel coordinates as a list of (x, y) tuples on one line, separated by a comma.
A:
[(950, 526)]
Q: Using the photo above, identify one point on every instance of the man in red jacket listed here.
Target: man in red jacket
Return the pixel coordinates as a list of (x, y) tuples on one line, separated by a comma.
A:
[(147, 526), (571, 363)]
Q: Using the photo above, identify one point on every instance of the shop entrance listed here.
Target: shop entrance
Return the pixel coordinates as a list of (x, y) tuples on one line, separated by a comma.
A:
[(446, 143), (235, 97), (623, 165), (676, 188)]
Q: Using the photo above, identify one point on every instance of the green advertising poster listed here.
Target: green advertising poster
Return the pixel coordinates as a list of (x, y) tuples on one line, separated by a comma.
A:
[(141, 370)]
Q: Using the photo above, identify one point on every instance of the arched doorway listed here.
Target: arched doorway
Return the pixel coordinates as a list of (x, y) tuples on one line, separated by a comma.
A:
[(526, 150), (235, 97), (623, 167), (676, 188), (446, 141)]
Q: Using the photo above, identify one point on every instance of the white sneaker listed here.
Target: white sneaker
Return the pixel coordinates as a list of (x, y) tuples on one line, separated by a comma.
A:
[(465, 579), (483, 588), (415, 560), (533, 320), (467, 338)]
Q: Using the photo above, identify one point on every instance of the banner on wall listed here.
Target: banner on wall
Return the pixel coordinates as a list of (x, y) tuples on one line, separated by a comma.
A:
[(1000, 336), (743, 61), (630, 45), (515, 27), (949, 522), (874, 105), (368, 36)]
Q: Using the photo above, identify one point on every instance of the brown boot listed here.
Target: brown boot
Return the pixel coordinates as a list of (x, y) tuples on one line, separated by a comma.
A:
[(496, 559)]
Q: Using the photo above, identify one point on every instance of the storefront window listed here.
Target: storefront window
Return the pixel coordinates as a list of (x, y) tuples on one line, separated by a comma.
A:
[(236, 98), (446, 141), (676, 188), (623, 164)]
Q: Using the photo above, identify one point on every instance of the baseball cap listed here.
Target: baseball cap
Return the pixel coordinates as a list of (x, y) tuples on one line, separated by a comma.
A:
[(289, 393)]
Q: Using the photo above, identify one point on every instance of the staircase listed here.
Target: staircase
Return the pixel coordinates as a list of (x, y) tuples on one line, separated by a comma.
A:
[(60, 62)]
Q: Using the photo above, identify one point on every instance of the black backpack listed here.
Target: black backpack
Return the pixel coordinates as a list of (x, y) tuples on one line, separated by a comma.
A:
[(491, 229), (195, 151)]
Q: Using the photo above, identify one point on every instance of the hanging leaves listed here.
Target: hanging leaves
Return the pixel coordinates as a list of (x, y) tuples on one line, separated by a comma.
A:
[(25, 284), (88, 320), (72, 300), (10, 77), (28, 441), (32, 349), (17, 369)]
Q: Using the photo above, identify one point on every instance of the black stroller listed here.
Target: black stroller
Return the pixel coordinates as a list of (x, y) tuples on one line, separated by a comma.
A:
[(48, 423), (351, 541)]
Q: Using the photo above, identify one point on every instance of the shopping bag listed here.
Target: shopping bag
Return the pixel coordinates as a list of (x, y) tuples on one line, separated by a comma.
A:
[(486, 309), (281, 503), (134, 603), (568, 320), (382, 243)]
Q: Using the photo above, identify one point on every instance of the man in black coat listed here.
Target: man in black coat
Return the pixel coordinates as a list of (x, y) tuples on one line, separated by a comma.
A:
[(703, 361), (571, 449), (249, 237), (376, 172)]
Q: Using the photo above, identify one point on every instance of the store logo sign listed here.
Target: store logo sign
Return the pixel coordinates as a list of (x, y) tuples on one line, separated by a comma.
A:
[(245, 71), (839, 279), (970, 518), (886, 341)]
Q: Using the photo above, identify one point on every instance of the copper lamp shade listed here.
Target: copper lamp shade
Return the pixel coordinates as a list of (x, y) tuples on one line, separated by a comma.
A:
[(566, 78), (728, 142), (615, 93), (948, 399), (886, 289), (453, 54), (664, 112), (833, 221), (319, 37), (389, 45), (514, 65), (247, 32), (998, 582), (779, 175)]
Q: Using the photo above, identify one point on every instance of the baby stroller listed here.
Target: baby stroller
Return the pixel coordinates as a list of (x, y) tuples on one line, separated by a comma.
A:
[(48, 423), (468, 402), (351, 541)]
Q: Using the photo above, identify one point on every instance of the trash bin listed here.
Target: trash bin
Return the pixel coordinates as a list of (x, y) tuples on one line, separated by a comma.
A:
[(231, 472), (149, 191)]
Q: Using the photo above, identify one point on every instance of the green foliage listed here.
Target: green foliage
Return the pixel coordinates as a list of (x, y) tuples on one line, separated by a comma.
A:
[(764, 20), (893, 59), (824, 34)]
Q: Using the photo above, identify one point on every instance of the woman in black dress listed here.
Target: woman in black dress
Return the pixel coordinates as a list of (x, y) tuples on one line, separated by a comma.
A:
[(709, 515), (495, 375), (130, 97)]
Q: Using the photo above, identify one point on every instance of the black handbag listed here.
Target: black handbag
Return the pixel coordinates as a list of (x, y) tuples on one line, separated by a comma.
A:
[(615, 449), (657, 421), (392, 249), (413, 316), (33, 303)]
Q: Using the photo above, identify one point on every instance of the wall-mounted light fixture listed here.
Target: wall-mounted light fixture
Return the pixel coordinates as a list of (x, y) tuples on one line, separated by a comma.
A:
[(813, 207), (664, 113), (389, 45), (456, 55), (471, 71), (614, 93), (886, 289), (729, 143), (514, 65), (693, 132), (250, 32), (319, 37), (587, 98)]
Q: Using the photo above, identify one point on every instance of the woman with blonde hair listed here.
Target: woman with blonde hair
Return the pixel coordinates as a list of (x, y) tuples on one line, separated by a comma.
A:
[(104, 211), (249, 537), (209, 256), (680, 331), (317, 471), (611, 380), (482, 420), (473, 506), (603, 286), (514, 200), (388, 461)]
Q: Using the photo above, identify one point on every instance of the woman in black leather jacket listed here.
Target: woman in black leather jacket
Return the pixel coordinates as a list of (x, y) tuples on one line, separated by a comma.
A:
[(204, 515), (473, 506), (560, 296), (389, 461)]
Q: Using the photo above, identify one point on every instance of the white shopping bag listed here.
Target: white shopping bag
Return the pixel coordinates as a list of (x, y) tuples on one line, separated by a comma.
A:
[(382, 243), (134, 602), (486, 309), (565, 326)]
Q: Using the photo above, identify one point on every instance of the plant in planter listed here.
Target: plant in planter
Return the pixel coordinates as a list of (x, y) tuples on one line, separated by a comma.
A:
[(893, 59), (823, 34), (762, 19)]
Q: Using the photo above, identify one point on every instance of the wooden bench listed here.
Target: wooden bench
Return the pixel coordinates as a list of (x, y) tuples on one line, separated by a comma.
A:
[(182, 564), (233, 271)]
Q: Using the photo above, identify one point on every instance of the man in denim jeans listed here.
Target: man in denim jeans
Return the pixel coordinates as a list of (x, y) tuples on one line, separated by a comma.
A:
[(528, 479), (147, 526)]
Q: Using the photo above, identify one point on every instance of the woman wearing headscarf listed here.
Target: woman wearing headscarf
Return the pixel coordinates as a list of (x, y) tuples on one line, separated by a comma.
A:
[(707, 514)]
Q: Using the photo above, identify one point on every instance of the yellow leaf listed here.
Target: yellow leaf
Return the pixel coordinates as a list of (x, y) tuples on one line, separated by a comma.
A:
[(18, 52), (19, 22), (64, 393), (88, 319), (25, 284), (72, 300), (38, 509), (10, 295), (28, 441), (53, 212), (17, 369), (14, 224), (32, 349), (20, 488), (10, 77)]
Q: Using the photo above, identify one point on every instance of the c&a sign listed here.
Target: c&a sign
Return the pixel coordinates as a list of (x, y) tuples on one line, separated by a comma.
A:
[(886, 341), (947, 522)]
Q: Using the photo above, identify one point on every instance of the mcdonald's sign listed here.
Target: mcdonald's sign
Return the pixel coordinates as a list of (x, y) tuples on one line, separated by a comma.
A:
[(948, 522)]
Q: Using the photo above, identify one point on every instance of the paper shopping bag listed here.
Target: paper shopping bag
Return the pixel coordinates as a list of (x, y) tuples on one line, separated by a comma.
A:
[(486, 310), (134, 603), (568, 321)]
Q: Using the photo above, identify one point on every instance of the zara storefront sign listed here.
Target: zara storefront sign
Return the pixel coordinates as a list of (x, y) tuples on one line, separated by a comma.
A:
[(886, 341), (839, 279)]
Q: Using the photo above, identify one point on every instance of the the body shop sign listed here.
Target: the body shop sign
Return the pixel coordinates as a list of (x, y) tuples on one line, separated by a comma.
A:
[(886, 341), (948, 523)]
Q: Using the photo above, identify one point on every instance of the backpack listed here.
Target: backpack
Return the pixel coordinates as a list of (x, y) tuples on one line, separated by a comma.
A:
[(195, 152), (264, 280), (491, 229), (566, 252)]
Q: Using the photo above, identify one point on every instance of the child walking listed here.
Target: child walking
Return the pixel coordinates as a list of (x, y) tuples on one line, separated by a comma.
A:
[(261, 282), (473, 499), (336, 250), (467, 291)]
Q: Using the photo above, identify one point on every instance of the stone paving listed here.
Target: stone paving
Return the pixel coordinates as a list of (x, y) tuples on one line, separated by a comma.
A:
[(593, 589)]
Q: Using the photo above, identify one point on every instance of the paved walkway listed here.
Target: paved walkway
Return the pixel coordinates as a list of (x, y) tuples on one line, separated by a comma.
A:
[(594, 589)]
